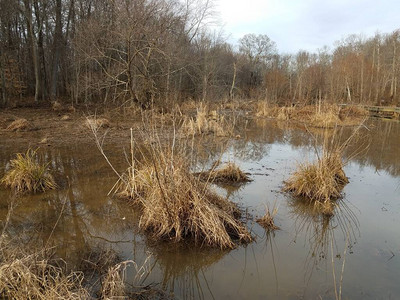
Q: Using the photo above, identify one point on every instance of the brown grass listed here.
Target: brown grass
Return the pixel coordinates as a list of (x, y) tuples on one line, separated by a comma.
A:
[(267, 221), (97, 123), (228, 173), (19, 125), (34, 277), (320, 181), (27, 174), (206, 122), (323, 116), (175, 205)]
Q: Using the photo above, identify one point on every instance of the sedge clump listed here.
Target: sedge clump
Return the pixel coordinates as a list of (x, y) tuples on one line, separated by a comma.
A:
[(28, 175)]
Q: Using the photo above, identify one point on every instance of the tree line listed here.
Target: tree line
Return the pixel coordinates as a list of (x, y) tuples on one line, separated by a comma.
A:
[(159, 51)]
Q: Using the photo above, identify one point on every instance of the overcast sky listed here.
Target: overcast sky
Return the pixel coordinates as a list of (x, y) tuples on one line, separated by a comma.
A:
[(307, 24)]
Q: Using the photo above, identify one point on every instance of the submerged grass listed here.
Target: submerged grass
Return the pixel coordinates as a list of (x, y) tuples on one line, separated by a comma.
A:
[(27, 174)]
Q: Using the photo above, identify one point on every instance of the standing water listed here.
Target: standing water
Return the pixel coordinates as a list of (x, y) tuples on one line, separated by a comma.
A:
[(353, 254)]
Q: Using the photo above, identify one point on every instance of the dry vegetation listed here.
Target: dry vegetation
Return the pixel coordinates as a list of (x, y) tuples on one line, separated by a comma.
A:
[(35, 276), (267, 221), (206, 122), (324, 116), (97, 122), (27, 174), (323, 180), (19, 125), (175, 205), (227, 173), (320, 181)]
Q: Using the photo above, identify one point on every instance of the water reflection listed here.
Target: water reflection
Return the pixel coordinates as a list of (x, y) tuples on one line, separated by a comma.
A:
[(327, 236)]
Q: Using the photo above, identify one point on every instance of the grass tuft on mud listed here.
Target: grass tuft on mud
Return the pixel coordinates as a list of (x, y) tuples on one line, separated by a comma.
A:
[(227, 174), (28, 175), (176, 205), (19, 125)]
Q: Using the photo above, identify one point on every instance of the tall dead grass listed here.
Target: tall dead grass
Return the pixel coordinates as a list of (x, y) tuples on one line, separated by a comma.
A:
[(323, 115), (175, 205), (27, 174), (33, 276), (206, 122), (322, 180)]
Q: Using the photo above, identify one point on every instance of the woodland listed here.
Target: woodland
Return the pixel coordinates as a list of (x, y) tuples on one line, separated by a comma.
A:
[(157, 52)]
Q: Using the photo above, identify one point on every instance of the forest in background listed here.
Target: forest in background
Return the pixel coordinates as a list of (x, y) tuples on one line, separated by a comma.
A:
[(155, 52)]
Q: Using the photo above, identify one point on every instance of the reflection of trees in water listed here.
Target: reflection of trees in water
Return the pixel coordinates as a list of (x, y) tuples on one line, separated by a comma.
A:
[(75, 217), (183, 269), (320, 231), (384, 148), (376, 145)]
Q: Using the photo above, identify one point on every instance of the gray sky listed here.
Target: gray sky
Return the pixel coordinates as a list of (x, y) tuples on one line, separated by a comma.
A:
[(307, 24)]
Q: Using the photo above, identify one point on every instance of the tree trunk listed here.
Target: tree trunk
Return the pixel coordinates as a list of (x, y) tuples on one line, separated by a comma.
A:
[(34, 50), (233, 82), (56, 51)]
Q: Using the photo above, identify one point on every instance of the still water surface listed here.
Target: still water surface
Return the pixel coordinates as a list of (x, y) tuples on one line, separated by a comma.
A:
[(302, 260)]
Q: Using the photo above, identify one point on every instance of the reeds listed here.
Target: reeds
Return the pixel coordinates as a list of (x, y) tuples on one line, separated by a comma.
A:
[(175, 205), (27, 174)]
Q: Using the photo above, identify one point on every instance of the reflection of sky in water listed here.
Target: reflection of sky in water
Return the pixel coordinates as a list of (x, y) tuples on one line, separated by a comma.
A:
[(294, 262)]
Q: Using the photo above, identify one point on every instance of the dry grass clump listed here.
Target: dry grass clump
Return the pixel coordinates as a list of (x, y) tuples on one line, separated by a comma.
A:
[(267, 221), (34, 277), (322, 116), (56, 106), (353, 111), (97, 123), (19, 125), (206, 123), (228, 173), (264, 109), (27, 174), (176, 205), (320, 181)]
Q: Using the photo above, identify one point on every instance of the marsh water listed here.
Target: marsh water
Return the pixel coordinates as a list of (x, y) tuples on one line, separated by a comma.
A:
[(355, 252)]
